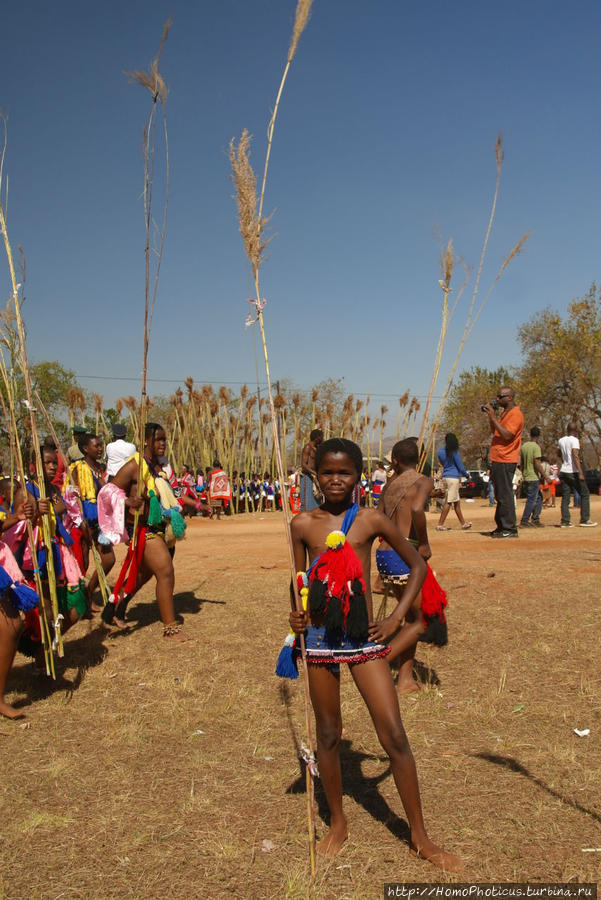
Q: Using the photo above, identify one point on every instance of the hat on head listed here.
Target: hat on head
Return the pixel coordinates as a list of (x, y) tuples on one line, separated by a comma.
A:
[(79, 429), (119, 430)]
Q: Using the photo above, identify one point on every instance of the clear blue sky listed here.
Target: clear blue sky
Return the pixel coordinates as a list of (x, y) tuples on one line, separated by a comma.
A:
[(386, 130)]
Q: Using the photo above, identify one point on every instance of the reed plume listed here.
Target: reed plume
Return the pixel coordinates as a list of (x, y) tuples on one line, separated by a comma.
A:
[(153, 82), (250, 213)]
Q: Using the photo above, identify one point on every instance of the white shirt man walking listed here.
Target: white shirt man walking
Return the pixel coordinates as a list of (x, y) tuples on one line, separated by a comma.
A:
[(571, 476)]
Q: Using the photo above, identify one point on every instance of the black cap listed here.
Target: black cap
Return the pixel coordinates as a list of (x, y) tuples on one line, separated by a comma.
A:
[(119, 430)]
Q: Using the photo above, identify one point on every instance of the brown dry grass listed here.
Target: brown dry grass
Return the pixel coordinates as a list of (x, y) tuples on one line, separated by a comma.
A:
[(154, 771)]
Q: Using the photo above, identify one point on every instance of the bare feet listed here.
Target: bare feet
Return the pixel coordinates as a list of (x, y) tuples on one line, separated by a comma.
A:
[(330, 845), (407, 686), (448, 862), (177, 637), (121, 624), (96, 607), (9, 711)]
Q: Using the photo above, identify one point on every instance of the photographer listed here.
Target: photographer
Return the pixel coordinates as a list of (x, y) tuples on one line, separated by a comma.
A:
[(506, 424)]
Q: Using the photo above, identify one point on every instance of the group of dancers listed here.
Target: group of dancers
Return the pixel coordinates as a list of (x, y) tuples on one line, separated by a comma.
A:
[(63, 523)]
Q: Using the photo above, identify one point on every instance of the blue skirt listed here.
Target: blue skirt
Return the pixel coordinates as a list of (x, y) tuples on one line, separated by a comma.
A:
[(391, 568), (322, 650)]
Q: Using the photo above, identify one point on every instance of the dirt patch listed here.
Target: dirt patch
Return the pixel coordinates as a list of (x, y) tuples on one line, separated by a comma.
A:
[(152, 770)]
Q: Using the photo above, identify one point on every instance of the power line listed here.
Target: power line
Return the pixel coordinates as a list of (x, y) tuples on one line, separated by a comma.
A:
[(201, 381)]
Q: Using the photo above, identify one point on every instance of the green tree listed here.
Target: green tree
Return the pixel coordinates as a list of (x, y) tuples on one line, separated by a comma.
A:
[(561, 371), (51, 381)]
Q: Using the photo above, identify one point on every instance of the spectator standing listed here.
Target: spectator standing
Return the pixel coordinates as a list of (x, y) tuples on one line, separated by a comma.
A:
[(534, 471), (452, 471), (74, 453), (506, 429), (571, 476)]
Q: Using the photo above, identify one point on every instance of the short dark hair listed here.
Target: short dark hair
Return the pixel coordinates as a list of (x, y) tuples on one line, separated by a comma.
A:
[(85, 439), (406, 452), (317, 432), (535, 432), (340, 445)]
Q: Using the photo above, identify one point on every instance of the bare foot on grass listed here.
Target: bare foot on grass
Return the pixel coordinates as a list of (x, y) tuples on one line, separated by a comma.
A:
[(448, 862), (408, 686), (331, 844), (9, 711), (179, 637)]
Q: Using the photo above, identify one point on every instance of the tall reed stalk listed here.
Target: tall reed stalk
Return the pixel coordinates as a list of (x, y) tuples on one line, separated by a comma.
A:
[(428, 428), (153, 82), (252, 228)]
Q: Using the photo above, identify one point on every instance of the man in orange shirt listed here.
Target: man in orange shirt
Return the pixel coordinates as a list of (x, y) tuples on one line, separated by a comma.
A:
[(506, 425)]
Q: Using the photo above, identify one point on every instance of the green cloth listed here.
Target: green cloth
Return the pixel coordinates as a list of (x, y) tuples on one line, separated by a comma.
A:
[(530, 452)]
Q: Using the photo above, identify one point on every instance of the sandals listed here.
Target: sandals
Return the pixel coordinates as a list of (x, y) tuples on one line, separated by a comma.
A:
[(442, 528), (466, 526)]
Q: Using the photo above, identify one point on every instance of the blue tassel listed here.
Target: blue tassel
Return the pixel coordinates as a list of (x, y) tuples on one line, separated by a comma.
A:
[(286, 664), (24, 597), (5, 580), (90, 510), (177, 523)]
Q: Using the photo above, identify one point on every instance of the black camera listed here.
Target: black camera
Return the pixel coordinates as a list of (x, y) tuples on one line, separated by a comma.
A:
[(494, 405)]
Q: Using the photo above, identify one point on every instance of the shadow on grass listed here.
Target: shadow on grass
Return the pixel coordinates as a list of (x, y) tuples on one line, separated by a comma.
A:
[(355, 784), (508, 762), (81, 654), (142, 614)]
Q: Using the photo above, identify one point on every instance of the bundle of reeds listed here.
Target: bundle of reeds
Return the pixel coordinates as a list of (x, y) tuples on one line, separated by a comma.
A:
[(18, 340)]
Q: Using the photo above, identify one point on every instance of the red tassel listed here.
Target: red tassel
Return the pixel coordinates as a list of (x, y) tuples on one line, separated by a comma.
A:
[(33, 625), (76, 548), (341, 566), (131, 565), (434, 599)]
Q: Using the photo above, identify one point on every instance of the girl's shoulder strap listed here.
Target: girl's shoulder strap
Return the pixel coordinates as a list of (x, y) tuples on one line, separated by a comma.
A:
[(349, 518)]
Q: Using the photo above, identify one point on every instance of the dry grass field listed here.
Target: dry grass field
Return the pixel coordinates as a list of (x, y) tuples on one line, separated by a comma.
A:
[(151, 770)]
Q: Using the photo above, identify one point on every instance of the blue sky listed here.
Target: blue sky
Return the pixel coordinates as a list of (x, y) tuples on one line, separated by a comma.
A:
[(386, 132)]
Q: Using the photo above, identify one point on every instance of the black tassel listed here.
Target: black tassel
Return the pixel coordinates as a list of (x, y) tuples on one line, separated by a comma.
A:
[(122, 607), (108, 613), (318, 597), (435, 633), (357, 621), (334, 619), (27, 646)]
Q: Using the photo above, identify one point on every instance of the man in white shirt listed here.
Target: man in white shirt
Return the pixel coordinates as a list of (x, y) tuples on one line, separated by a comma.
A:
[(118, 451), (571, 476)]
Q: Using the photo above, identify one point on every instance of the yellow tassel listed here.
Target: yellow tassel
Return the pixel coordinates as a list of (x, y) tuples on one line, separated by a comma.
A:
[(335, 539)]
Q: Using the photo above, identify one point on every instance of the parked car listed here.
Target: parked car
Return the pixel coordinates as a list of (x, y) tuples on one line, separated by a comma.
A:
[(474, 485)]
